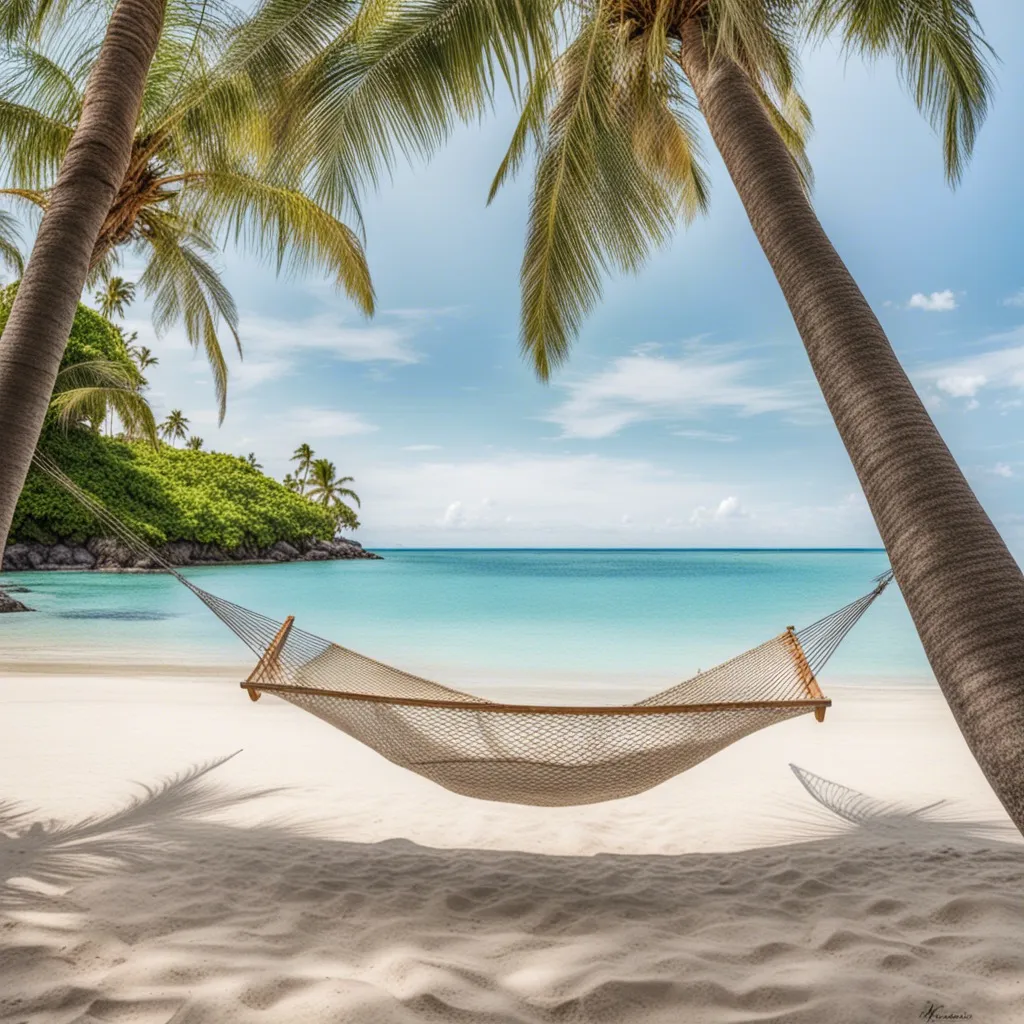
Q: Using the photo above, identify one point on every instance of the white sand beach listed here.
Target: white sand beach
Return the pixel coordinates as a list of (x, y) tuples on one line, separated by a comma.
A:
[(307, 879)]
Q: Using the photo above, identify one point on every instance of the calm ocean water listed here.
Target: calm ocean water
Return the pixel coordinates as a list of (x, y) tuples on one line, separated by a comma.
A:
[(567, 615)]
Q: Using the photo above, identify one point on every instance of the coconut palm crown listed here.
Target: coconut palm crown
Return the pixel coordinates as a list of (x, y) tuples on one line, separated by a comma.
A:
[(614, 120)]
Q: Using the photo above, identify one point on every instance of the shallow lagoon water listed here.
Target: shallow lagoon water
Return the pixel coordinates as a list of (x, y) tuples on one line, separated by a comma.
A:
[(571, 615)]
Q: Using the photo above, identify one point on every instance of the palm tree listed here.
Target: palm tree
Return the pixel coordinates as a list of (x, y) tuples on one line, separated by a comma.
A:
[(143, 357), (291, 483), (175, 427), (90, 391), (303, 457), (194, 444), (158, 141), (328, 490), (115, 296), (94, 158), (612, 118), (250, 461)]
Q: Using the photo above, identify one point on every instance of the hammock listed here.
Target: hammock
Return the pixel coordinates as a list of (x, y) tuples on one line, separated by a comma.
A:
[(526, 754)]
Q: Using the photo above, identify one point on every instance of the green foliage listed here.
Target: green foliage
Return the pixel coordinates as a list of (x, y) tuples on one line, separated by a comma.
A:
[(97, 373), (92, 337), (163, 494)]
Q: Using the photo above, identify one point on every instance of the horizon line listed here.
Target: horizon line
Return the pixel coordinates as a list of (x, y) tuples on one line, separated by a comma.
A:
[(780, 550)]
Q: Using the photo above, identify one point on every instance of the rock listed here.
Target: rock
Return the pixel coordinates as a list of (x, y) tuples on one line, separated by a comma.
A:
[(178, 552), (283, 550), (9, 604), (111, 554), (80, 556), (60, 554), (18, 590), (16, 558)]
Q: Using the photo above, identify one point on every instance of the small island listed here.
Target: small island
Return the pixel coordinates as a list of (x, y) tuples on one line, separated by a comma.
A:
[(194, 507)]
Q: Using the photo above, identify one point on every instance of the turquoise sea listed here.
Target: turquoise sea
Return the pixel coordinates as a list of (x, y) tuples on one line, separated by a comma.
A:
[(570, 615)]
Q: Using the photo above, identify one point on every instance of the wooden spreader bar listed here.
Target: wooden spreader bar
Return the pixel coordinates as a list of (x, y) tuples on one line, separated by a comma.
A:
[(816, 705), (268, 662), (804, 671)]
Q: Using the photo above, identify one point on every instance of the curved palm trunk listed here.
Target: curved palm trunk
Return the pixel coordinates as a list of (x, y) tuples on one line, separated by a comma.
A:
[(94, 167), (963, 587)]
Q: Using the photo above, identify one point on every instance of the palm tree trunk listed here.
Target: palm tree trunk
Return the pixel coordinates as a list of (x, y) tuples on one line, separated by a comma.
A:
[(94, 166), (963, 587)]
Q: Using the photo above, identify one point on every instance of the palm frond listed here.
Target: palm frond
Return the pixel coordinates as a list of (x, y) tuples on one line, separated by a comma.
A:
[(86, 390), (276, 220), (759, 35), (398, 88), (185, 289), (20, 19), (664, 135), (10, 251), (941, 54), (32, 145), (791, 118), (530, 126), (595, 204)]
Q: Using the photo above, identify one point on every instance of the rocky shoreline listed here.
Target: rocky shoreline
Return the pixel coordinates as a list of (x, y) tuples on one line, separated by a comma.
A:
[(105, 554)]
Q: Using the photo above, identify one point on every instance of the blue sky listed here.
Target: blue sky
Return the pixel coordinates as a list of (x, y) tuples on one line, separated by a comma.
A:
[(688, 415)]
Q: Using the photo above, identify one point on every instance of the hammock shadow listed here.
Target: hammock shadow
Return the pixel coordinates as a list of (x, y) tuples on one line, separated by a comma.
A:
[(276, 914)]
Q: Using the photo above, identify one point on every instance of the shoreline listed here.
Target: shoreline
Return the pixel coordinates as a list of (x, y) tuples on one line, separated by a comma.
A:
[(105, 554)]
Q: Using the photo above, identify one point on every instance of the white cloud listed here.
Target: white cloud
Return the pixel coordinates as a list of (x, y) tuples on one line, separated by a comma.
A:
[(936, 302), (1001, 368), (706, 435), (1016, 299), (453, 515), (530, 500), (251, 374), (1003, 469), (377, 343), (644, 387), (727, 508), (961, 385), (421, 448), (310, 422)]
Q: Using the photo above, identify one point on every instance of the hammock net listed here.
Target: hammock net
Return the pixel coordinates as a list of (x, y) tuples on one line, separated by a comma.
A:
[(526, 754)]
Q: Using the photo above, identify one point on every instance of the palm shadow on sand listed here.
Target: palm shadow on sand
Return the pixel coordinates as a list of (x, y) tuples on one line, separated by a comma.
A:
[(160, 911)]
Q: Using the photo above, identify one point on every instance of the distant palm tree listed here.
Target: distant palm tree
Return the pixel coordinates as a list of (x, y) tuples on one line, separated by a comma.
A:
[(250, 460), (90, 391), (175, 427), (115, 296), (327, 489), (291, 482), (194, 443), (303, 456), (143, 357)]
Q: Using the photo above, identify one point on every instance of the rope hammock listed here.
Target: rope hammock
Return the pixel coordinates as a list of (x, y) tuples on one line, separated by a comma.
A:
[(542, 755)]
